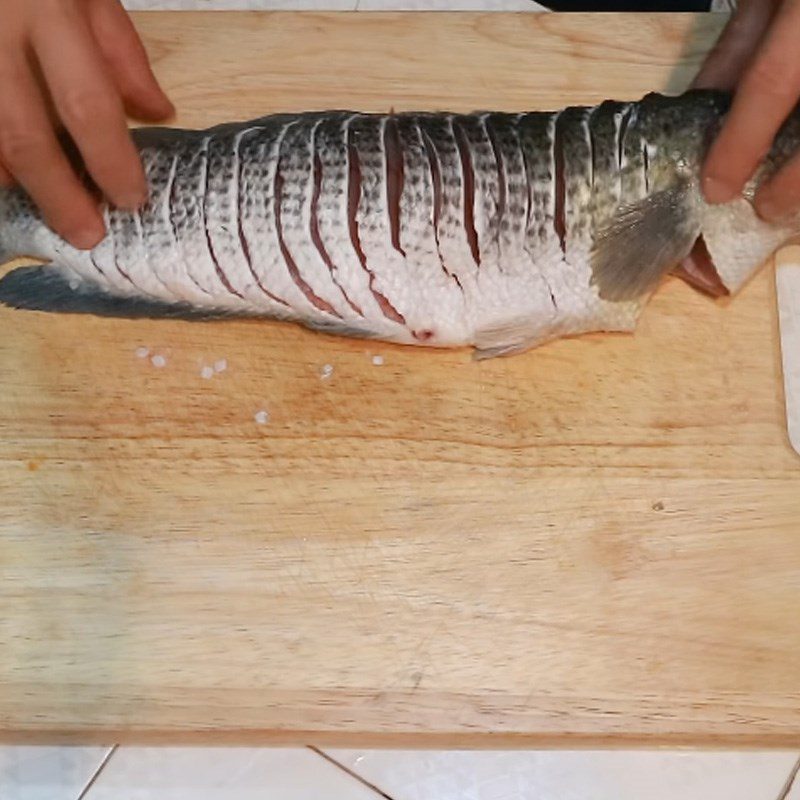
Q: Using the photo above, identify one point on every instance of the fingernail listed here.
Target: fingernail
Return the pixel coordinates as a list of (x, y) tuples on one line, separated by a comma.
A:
[(133, 201), (718, 191), (162, 106), (87, 238)]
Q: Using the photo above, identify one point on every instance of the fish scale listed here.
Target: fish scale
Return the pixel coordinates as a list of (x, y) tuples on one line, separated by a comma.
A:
[(103, 260), (453, 244), (259, 155), (604, 129), (580, 160), (577, 156), (486, 171), (495, 230), (542, 244), (296, 167), (519, 289), (159, 233), (333, 224), (441, 299), (537, 134), (575, 275), (220, 209), (632, 167), (372, 221), (512, 222), (187, 199), (497, 296), (130, 254)]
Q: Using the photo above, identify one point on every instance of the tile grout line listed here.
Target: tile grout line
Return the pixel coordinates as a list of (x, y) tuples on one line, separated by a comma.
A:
[(787, 786), (98, 771), (354, 775)]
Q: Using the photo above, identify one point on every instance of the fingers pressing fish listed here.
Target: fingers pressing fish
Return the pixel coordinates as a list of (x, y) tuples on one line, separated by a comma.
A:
[(492, 230)]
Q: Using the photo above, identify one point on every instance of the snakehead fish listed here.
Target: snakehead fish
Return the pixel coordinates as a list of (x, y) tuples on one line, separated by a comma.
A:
[(498, 231)]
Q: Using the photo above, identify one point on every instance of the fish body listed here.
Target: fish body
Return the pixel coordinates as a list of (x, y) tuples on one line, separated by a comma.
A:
[(498, 231)]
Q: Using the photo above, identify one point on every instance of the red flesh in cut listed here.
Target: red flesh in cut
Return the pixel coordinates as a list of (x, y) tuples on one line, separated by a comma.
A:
[(698, 270)]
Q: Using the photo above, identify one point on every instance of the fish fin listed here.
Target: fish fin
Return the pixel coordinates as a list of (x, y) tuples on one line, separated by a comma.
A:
[(485, 353), (643, 242), (507, 338), (50, 288)]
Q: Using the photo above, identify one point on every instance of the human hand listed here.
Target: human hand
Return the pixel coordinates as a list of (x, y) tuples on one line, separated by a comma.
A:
[(80, 64), (758, 58)]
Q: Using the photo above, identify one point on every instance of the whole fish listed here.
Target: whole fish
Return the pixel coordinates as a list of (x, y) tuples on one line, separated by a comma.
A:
[(493, 230)]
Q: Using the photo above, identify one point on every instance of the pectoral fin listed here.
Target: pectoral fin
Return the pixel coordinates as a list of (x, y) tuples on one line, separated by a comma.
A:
[(643, 242)]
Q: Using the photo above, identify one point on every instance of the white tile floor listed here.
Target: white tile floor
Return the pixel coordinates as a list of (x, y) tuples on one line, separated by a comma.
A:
[(568, 775), (142, 773), (131, 773), (791, 788), (47, 773), (199, 773)]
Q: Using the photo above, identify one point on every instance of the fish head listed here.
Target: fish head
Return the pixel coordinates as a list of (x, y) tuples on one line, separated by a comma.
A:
[(737, 241), (715, 248), (658, 221), (733, 245)]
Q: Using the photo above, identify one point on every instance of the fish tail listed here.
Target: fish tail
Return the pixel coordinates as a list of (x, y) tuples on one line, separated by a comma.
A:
[(50, 288)]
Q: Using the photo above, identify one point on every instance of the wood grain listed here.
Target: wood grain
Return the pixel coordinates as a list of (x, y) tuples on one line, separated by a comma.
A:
[(594, 543)]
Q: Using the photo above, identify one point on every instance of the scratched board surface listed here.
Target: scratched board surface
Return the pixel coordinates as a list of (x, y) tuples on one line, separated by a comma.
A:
[(245, 531)]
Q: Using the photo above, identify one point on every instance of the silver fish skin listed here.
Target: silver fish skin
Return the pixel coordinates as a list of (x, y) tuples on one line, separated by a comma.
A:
[(492, 230)]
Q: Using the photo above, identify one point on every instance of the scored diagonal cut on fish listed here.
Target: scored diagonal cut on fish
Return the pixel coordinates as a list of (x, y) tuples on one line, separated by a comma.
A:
[(493, 230)]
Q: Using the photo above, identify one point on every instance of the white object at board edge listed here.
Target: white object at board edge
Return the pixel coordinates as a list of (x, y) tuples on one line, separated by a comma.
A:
[(787, 278)]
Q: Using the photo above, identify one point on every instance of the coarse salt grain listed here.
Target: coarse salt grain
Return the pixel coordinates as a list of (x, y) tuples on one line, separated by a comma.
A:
[(207, 373), (377, 360), (221, 365), (326, 371), (158, 361), (262, 417), (142, 352)]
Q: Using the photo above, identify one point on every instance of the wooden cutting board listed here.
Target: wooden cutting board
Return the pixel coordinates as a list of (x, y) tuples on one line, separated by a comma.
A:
[(597, 542)]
